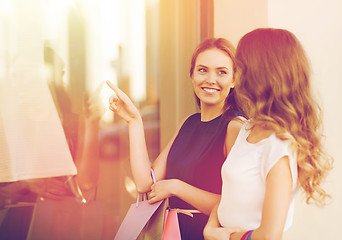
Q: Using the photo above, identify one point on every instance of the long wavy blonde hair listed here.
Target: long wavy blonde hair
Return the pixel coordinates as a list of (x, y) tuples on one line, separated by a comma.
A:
[(273, 88)]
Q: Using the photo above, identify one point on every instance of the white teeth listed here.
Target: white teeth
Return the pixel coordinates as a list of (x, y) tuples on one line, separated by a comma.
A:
[(209, 90)]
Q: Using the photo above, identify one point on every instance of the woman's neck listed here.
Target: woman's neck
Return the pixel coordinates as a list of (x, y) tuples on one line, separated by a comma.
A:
[(210, 113), (258, 133)]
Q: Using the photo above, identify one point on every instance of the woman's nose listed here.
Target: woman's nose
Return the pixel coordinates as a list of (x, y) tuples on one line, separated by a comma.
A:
[(211, 77)]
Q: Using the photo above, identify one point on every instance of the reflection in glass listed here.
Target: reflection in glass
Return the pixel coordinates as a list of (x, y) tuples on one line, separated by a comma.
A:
[(85, 43)]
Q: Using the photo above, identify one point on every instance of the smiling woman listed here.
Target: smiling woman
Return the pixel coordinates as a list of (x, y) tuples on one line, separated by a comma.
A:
[(212, 78), (144, 47), (188, 168), (220, 72)]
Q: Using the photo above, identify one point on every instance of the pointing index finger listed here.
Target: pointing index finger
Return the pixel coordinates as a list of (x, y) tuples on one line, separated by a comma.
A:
[(112, 86), (120, 94)]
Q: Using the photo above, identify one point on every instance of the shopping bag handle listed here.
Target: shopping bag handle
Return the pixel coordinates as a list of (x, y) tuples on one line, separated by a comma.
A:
[(153, 176), (145, 194)]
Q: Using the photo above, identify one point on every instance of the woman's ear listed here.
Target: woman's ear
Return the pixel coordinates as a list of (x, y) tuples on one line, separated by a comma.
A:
[(233, 82), (235, 76)]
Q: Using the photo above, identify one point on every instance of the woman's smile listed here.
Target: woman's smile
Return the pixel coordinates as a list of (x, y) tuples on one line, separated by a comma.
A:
[(210, 90)]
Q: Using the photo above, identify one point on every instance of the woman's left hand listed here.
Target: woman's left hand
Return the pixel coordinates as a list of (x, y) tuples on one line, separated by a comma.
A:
[(219, 233), (163, 189), (53, 188)]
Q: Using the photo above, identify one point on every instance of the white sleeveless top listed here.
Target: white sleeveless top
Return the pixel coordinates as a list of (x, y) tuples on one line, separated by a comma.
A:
[(244, 180)]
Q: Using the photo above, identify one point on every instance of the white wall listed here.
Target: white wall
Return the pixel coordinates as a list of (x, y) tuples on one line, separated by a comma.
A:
[(318, 25), (232, 19)]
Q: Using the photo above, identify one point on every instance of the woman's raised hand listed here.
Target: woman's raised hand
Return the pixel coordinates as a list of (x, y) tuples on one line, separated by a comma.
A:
[(121, 104)]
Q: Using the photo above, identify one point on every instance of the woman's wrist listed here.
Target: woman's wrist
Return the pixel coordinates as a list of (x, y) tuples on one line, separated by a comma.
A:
[(136, 120), (240, 235), (176, 186)]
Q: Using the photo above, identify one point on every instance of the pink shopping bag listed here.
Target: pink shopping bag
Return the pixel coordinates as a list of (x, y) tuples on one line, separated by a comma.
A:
[(171, 226)]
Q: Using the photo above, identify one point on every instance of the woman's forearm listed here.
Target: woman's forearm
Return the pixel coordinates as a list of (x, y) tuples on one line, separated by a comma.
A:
[(202, 200), (140, 162), (87, 157), (213, 218)]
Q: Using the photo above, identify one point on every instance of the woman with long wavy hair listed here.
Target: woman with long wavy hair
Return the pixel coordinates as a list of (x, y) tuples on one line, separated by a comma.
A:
[(279, 149)]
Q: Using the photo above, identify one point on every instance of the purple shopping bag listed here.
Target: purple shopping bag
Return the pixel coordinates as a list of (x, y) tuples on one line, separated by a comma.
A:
[(135, 220)]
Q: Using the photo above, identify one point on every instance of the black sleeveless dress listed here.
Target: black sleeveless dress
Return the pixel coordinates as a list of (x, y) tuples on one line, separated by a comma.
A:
[(196, 157)]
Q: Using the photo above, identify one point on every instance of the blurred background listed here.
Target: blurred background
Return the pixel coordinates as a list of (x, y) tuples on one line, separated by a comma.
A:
[(145, 47)]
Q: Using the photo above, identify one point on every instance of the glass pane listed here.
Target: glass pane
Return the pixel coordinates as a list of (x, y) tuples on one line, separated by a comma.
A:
[(78, 45)]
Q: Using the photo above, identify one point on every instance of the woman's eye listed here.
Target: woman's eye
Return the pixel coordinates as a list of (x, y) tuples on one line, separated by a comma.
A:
[(222, 72), (202, 70)]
